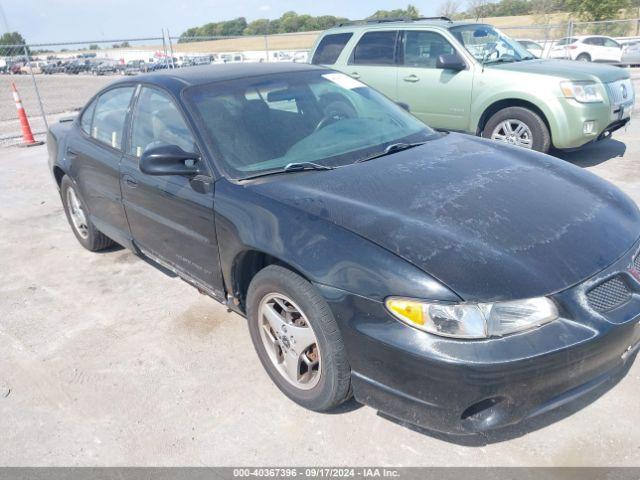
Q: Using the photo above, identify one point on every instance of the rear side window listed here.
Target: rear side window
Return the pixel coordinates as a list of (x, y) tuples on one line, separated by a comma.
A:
[(376, 48), (110, 115), (330, 48), (87, 117)]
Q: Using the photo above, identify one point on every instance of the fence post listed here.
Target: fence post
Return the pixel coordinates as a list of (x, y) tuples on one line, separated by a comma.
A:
[(164, 48), (35, 87), (170, 48), (266, 40)]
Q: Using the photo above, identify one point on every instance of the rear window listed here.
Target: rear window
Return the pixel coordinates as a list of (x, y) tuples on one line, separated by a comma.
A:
[(376, 48), (566, 41), (330, 48)]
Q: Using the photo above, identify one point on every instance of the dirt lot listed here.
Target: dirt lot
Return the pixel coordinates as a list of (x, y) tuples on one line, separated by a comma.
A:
[(107, 361)]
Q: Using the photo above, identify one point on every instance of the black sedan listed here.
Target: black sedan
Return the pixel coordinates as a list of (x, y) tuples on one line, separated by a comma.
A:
[(453, 282)]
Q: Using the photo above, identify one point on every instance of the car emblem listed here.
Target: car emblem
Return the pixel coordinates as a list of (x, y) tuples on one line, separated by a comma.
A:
[(623, 89)]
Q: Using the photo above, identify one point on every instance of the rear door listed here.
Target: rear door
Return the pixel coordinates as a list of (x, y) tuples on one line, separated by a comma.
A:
[(170, 217), (95, 156), (374, 61), (440, 98)]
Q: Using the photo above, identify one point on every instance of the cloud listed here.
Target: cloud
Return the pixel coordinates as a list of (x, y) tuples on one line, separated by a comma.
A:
[(264, 8)]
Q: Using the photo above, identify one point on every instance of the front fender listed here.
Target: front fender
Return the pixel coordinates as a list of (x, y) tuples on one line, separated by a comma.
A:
[(322, 251)]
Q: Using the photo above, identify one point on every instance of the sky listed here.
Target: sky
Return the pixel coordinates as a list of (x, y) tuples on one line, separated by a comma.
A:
[(49, 21)]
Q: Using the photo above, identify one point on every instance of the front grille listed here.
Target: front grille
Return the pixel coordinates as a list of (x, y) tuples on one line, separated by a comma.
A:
[(615, 91), (609, 295)]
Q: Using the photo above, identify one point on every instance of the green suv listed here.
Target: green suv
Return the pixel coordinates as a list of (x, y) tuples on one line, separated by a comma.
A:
[(470, 77)]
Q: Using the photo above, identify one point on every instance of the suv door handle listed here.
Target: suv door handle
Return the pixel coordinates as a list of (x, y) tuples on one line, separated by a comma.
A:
[(412, 78), (71, 153), (355, 75)]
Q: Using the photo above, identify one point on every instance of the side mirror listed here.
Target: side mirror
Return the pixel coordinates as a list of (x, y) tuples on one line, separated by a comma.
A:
[(450, 61), (169, 160), (404, 106)]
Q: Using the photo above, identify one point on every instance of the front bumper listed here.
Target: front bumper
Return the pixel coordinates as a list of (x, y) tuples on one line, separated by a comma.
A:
[(463, 387)]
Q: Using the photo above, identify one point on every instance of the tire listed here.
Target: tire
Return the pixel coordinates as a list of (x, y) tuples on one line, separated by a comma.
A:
[(540, 136), (583, 57), (333, 381), (90, 237)]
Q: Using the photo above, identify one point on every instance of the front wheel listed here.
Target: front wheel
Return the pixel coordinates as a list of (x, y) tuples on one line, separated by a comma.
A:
[(518, 126), (584, 57), (297, 339)]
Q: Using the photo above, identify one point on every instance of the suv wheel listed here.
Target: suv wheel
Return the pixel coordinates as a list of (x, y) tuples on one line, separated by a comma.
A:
[(297, 339), (583, 57), (518, 126), (74, 207)]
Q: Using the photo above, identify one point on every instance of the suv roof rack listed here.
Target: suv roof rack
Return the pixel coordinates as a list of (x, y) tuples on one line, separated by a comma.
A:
[(388, 20)]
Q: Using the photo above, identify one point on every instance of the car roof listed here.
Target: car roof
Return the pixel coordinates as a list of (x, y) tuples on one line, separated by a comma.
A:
[(179, 78)]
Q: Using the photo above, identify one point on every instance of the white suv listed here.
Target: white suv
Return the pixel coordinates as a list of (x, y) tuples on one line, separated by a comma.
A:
[(588, 48)]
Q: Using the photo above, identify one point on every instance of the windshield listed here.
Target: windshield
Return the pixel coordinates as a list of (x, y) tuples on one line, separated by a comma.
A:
[(489, 45), (261, 124)]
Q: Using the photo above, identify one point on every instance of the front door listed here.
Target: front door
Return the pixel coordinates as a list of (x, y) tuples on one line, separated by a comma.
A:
[(171, 217), (440, 98)]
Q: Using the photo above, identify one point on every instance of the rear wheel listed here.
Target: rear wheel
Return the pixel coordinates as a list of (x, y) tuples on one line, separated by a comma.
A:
[(297, 339), (75, 208), (518, 126), (583, 57)]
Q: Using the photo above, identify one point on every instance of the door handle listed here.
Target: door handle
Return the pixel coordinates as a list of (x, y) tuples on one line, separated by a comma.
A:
[(71, 153), (130, 181), (412, 78), (355, 75)]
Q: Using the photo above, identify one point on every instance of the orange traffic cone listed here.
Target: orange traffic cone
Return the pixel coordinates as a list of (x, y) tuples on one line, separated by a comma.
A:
[(27, 135)]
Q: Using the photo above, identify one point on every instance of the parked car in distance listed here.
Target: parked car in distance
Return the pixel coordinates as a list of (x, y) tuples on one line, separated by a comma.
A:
[(471, 77), (104, 68), (588, 48), (34, 66), (453, 282), (135, 67), (80, 65), (533, 47), (54, 67), (631, 53)]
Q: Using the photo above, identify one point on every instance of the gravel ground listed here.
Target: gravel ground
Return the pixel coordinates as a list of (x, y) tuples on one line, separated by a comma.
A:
[(107, 361)]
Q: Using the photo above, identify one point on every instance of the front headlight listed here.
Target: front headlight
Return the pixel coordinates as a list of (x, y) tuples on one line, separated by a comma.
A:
[(473, 320), (583, 92)]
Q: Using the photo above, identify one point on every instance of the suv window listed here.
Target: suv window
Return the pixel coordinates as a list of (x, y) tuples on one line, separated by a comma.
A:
[(330, 48), (610, 43), (110, 114), (87, 117), (376, 48), (422, 49), (156, 121), (593, 41)]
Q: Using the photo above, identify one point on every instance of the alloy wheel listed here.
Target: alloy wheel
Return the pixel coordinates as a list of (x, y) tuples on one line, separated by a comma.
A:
[(76, 212), (289, 341), (514, 132)]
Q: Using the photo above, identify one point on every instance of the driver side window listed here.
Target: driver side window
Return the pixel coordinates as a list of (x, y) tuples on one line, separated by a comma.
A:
[(422, 48), (157, 121)]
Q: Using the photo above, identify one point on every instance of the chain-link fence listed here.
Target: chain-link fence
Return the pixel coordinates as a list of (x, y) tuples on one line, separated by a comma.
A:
[(54, 80)]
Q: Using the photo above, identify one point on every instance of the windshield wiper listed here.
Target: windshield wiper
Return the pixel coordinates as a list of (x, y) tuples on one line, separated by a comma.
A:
[(393, 148), (288, 168), (297, 166)]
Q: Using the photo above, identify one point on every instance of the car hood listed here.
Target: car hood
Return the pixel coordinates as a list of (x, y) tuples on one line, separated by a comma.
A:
[(491, 222), (568, 69)]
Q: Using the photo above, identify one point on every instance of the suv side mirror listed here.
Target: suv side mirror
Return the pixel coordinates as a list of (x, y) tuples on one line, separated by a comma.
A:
[(169, 160), (450, 61)]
